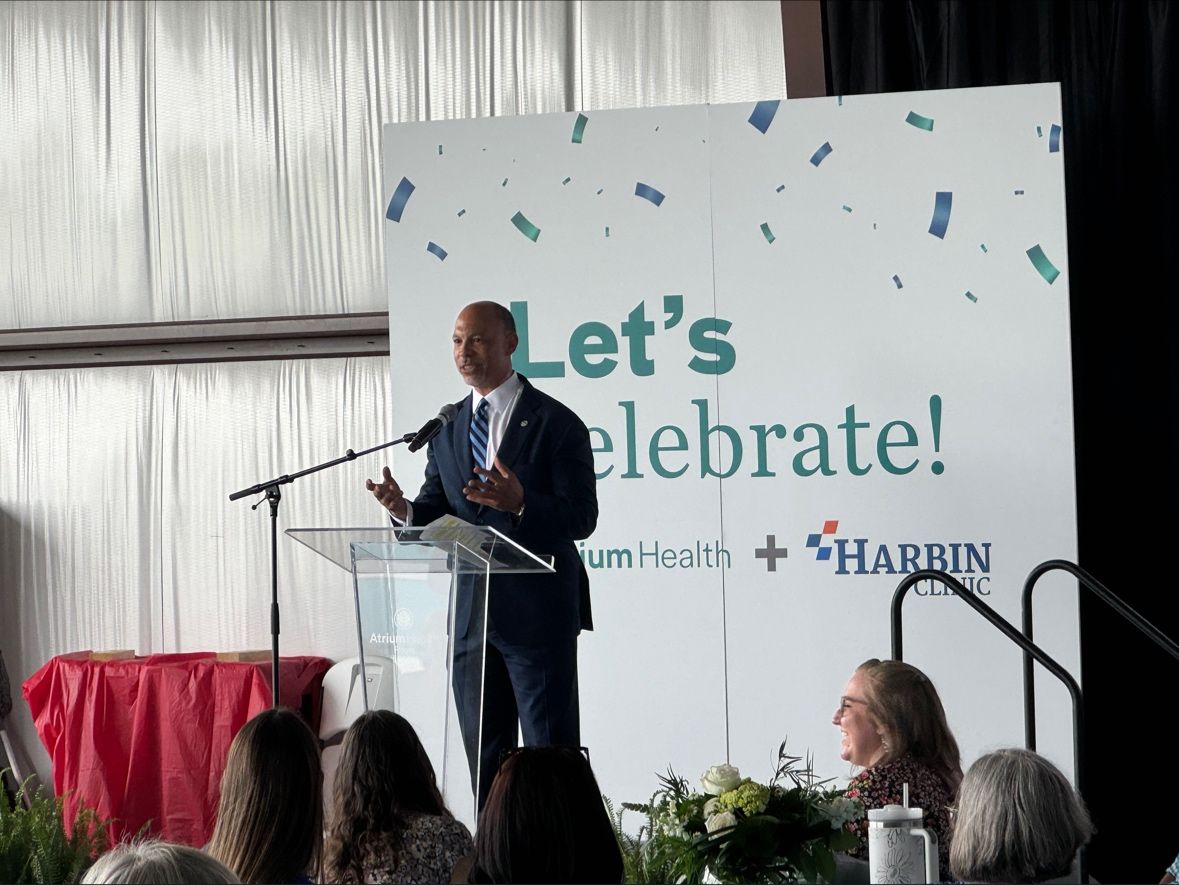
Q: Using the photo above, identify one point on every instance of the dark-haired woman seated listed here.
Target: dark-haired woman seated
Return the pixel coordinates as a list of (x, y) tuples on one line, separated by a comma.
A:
[(388, 821), (545, 821), (893, 725), (270, 816)]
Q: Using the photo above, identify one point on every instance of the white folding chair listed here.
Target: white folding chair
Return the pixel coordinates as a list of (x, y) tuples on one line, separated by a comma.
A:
[(343, 702)]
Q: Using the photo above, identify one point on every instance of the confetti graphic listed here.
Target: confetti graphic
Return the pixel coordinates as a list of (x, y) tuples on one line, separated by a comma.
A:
[(600, 190), (400, 197), (818, 156), (648, 193), (763, 115), (897, 280), (504, 183), (566, 181), (1041, 263), (1039, 132), (1054, 139), (525, 226), (434, 249), (766, 232), (780, 188), (607, 230), (579, 128), (941, 214), (1019, 193), (839, 100), (971, 296), (440, 150), (915, 119), (846, 208), (462, 212), (983, 246)]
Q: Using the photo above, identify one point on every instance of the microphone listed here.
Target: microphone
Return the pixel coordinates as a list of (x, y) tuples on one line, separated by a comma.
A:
[(431, 428)]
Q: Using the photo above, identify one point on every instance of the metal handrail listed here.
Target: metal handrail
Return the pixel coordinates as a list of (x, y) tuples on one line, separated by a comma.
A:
[(1030, 649), (1111, 599)]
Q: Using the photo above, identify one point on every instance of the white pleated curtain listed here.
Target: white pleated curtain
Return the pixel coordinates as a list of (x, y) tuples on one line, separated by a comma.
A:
[(165, 161)]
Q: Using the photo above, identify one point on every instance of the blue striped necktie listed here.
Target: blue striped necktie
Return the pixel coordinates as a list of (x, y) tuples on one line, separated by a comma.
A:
[(479, 435)]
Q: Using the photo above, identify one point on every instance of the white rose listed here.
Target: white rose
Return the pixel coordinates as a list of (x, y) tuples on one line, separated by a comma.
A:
[(720, 779), (710, 806), (720, 821)]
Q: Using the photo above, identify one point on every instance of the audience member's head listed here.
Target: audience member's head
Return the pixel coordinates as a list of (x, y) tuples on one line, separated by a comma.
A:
[(270, 818), (545, 821), (139, 863), (909, 719), (1019, 820), (383, 774)]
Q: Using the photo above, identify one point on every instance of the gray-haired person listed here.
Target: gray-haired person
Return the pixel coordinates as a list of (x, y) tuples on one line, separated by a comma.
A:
[(138, 863), (1019, 820)]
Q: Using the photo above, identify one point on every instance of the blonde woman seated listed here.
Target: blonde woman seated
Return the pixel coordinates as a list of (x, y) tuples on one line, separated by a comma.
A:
[(388, 820), (893, 726), (140, 863), (1019, 820)]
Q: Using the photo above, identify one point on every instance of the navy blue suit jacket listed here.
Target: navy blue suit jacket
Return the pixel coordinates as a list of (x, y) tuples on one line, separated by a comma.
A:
[(547, 446)]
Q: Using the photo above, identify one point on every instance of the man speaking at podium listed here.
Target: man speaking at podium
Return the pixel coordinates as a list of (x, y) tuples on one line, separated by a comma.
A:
[(517, 460)]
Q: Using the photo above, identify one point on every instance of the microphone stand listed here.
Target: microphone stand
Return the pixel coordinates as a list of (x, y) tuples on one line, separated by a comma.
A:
[(273, 495)]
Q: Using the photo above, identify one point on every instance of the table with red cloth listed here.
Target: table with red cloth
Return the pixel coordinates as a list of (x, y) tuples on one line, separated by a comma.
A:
[(144, 740)]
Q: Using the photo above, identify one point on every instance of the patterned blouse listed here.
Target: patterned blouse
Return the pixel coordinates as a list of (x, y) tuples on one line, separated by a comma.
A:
[(883, 785), (426, 852)]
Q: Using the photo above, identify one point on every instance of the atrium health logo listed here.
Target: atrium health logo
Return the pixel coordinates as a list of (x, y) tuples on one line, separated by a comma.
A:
[(968, 561)]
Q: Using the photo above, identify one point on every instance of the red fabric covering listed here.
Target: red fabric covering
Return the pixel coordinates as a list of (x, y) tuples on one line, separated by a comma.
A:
[(145, 740)]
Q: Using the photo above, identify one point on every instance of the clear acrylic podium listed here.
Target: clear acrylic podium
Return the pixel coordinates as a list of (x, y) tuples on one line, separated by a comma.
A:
[(406, 585)]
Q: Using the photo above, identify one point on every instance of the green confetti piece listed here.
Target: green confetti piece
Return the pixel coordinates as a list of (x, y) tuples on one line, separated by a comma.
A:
[(579, 128), (440, 150), (767, 233), (462, 212), (607, 230), (1041, 263), (504, 183), (915, 119), (1039, 132), (971, 296), (846, 208), (983, 246), (525, 226), (566, 181)]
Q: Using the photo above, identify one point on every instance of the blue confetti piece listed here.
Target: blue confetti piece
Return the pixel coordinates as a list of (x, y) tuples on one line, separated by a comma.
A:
[(818, 156), (763, 115), (579, 128), (400, 197), (941, 214), (846, 208), (525, 226), (566, 181), (440, 150), (915, 119), (983, 246), (1039, 132), (971, 296), (839, 100), (648, 193), (462, 212), (434, 249), (897, 280), (767, 233), (1018, 193), (780, 188), (1054, 139), (600, 190), (1043, 266), (607, 230)]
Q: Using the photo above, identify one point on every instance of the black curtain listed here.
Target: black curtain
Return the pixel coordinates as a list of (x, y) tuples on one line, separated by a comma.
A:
[(1114, 61)]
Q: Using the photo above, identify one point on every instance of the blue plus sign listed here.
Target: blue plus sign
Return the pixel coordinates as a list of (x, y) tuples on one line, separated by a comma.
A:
[(771, 553)]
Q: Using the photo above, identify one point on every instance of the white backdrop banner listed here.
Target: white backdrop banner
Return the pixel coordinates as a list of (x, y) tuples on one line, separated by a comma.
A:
[(820, 345)]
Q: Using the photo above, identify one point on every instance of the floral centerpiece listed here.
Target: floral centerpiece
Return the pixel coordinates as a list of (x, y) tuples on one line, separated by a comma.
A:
[(734, 829)]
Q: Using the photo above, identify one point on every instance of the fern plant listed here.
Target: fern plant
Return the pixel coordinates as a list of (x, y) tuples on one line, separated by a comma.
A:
[(34, 846)]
